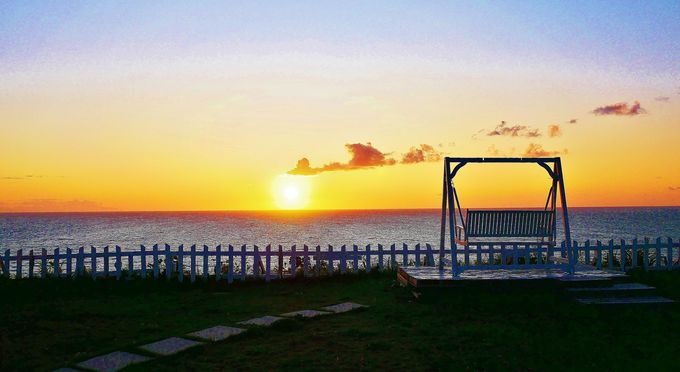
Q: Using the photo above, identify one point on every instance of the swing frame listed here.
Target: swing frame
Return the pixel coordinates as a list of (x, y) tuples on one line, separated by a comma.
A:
[(451, 205)]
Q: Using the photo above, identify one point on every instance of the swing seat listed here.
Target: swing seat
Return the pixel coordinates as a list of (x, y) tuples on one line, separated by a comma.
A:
[(538, 225)]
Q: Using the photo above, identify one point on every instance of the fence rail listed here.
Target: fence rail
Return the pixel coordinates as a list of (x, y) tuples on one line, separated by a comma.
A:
[(271, 262)]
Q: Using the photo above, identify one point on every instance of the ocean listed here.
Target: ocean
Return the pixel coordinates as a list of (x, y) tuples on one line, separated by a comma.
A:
[(131, 229)]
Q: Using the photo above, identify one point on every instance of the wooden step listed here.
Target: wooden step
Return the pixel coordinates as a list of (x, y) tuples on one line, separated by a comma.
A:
[(614, 288), (624, 300)]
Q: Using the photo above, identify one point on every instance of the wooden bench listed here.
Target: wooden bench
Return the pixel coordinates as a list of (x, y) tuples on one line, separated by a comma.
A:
[(502, 224)]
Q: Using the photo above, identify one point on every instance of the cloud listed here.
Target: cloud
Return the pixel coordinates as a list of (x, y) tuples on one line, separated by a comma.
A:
[(662, 99), (52, 205), (503, 129), (674, 188), (362, 156), (572, 121), (26, 177), (425, 153), (554, 130), (536, 151), (621, 109)]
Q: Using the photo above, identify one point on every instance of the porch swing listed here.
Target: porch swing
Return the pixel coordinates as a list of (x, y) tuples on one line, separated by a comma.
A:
[(504, 227)]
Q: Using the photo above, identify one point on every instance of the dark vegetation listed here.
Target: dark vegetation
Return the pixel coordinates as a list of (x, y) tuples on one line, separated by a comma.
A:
[(46, 324)]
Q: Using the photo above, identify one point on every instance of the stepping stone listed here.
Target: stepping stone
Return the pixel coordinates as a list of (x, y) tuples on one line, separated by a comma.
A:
[(265, 321), (65, 369), (217, 333), (343, 307), (169, 346), (112, 362), (615, 287), (305, 313), (624, 300)]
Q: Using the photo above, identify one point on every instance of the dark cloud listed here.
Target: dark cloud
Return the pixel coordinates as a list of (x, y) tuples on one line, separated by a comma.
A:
[(554, 130), (503, 129), (621, 109), (573, 121), (362, 156), (425, 153), (536, 151), (662, 99)]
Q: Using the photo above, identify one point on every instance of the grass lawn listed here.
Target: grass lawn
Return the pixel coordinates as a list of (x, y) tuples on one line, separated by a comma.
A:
[(45, 324)]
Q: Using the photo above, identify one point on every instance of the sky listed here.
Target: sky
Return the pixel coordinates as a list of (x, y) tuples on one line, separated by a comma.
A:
[(149, 105)]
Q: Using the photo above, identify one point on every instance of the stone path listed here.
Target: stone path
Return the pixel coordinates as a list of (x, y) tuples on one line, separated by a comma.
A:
[(113, 361), (120, 359), (264, 321), (217, 333), (305, 313), (169, 346)]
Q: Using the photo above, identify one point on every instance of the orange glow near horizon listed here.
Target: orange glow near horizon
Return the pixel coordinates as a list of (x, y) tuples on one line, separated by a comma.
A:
[(189, 107)]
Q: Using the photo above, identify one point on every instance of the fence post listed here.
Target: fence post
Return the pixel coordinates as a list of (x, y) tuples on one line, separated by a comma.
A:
[(317, 261), (168, 262), (368, 258), (404, 255), (119, 263), (156, 267), (230, 269), (355, 265), (256, 262), (31, 263), (93, 261), (81, 261), (69, 263), (645, 251), (180, 263), (586, 248), (18, 273), (43, 264), (206, 259), (192, 277), (380, 257), (623, 255), (418, 255), (658, 253), (243, 262), (293, 262), (305, 261), (330, 260), (343, 260), (280, 261), (106, 261), (218, 262), (268, 261), (669, 258), (142, 260), (55, 264), (393, 257)]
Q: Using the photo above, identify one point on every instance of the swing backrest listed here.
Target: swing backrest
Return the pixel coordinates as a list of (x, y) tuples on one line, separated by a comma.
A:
[(510, 223)]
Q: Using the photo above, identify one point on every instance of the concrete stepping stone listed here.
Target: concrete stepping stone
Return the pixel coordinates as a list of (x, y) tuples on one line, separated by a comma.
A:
[(169, 346), (305, 313), (264, 321), (615, 287), (217, 333), (343, 307), (624, 300), (113, 361)]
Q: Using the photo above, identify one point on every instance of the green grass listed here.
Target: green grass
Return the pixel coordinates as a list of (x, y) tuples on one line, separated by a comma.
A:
[(47, 324)]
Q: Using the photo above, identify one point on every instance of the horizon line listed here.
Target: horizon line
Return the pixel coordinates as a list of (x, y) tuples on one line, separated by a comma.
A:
[(313, 210)]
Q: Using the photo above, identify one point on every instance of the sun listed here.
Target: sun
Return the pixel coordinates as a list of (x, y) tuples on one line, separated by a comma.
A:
[(291, 192)]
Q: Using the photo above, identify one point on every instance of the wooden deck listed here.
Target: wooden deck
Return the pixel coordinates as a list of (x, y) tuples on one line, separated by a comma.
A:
[(433, 277)]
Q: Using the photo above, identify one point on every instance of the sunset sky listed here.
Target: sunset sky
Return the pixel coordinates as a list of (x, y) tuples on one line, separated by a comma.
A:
[(149, 105)]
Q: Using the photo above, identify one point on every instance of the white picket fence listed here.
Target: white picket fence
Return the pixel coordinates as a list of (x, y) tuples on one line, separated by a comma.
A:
[(271, 262)]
